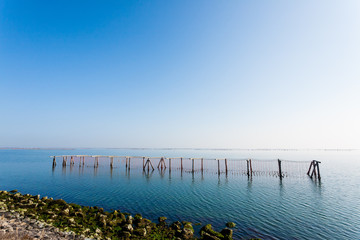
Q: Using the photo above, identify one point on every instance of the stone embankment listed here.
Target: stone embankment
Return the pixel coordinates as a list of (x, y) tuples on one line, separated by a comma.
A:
[(32, 217)]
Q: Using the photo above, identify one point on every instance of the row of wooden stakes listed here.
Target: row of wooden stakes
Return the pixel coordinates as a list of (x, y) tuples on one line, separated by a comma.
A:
[(147, 164)]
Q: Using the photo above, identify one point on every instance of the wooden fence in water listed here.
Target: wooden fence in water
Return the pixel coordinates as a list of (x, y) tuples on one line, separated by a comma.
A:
[(250, 167)]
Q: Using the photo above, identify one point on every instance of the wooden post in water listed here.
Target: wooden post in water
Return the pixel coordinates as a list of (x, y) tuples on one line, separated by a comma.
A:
[(54, 161), (72, 160), (83, 160), (181, 164), (218, 167), (169, 164), (226, 169), (192, 165), (129, 163), (64, 162), (251, 171), (126, 165), (111, 162), (202, 165), (280, 173), (143, 163), (318, 169), (248, 167)]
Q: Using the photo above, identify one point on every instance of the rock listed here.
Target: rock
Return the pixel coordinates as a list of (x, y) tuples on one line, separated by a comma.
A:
[(140, 232), (128, 227), (228, 233), (126, 234), (230, 224), (176, 225), (66, 211), (208, 229), (98, 231), (162, 219)]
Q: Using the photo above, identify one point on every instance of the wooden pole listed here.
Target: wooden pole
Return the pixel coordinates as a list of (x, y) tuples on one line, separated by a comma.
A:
[(226, 167), (192, 165), (126, 163), (218, 167), (202, 165), (248, 167), (181, 159), (251, 171), (111, 162), (147, 162), (54, 161), (318, 169), (64, 162), (83, 160), (169, 164), (129, 163), (308, 173), (143, 163), (279, 163)]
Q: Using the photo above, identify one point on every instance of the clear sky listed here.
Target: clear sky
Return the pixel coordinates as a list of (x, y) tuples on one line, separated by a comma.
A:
[(205, 74)]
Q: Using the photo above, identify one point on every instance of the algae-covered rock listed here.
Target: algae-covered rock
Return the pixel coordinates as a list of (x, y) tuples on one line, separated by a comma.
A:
[(162, 219), (209, 231), (228, 233), (230, 224)]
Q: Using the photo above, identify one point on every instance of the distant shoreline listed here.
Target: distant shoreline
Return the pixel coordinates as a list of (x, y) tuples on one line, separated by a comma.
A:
[(196, 149)]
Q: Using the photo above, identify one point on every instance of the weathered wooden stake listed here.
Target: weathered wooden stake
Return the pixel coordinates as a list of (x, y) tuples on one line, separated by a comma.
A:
[(126, 163), (202, 165), (310, 167), (143, 163), (251, 171), (218, 167), (318, 169), (192, 165), (64, 162), (248, 167), (54, 161), (181, 164), (129, 163), (169, 164), (111, 162), (280, 173), (226, 169)]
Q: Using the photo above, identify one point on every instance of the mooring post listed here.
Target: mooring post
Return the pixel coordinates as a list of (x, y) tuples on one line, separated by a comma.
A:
[(248, 167), (129, 163), (218, 166), (83, 160), (279, 163), (143, 163), (126, 162), (202, 165), (111, 162), (169, 164), (72, 160), (147, 162), (318, 169), (64, 162), (192, 165), (181, 164), (251, 171), (54, 161), (226, 168)]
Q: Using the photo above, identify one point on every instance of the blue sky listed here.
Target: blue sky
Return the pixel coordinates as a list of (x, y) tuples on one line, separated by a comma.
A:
[(212, 74)]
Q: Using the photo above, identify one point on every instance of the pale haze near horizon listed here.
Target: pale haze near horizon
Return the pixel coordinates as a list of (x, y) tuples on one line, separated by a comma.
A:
[(204, 74)]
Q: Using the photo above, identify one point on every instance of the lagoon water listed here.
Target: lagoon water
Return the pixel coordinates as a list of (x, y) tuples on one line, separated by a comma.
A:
[(263, 206)]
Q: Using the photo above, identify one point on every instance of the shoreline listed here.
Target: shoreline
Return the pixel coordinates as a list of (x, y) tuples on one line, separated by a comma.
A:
[(60, 220)]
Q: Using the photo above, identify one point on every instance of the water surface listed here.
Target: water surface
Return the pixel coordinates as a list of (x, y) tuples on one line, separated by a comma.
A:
[(261, 206)]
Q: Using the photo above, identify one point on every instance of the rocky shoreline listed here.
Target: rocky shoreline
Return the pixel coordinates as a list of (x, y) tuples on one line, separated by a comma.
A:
[(31, 217)]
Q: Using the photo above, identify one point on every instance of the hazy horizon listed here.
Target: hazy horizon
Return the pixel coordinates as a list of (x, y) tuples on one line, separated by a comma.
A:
[(160, 74)]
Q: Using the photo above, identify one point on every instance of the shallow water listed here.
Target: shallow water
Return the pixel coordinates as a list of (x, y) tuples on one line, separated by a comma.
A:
[(262, 206)]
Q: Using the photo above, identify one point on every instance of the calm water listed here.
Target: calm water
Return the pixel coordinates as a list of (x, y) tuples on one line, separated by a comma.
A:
[(294, 208)]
